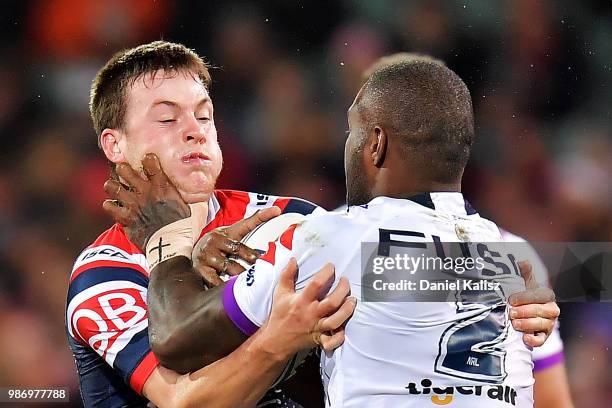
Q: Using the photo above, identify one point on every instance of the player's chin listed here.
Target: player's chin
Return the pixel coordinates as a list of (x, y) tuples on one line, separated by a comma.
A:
[(197, 188)]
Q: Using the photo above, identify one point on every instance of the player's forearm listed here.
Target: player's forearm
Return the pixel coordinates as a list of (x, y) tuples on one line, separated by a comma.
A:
[(551, 389), (238, 380), (188, 327)]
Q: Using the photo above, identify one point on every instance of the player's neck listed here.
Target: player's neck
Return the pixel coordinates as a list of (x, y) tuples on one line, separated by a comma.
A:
[(407, 187)]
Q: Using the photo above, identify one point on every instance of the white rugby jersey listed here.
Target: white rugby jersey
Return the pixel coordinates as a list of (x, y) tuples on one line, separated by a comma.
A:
[(551, 352), (397, 354)]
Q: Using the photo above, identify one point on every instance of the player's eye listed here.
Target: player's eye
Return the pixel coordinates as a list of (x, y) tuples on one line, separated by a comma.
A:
[(204, 118), (167, 120)]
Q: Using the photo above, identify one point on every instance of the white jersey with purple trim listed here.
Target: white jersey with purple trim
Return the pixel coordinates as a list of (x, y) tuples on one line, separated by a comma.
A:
[(551, 352), (397, 354)]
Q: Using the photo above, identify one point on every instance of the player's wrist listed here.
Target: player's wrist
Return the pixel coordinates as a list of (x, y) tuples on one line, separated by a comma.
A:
[(269, 344), (172, 240), (177, 238)]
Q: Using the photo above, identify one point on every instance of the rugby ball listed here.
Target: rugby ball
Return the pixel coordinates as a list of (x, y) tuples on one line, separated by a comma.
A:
[(266, 232), (258, 239)]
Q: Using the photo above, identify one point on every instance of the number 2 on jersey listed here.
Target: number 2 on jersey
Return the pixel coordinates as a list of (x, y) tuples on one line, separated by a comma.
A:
[(470, 347)]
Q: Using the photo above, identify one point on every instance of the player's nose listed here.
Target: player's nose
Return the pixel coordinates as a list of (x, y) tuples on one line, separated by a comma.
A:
[(194, 131)]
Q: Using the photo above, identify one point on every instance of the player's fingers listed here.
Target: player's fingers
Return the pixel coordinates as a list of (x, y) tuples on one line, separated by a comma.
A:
[(131, 177), (286, 282), (120, 214), (236, 248), (211, 279), (331, 341), (534, 339), (323, 278), (214, 259), (112, 187), (334, 300), (116, 191), (153, 170), (233, 268), (527, 274), (547, 310), (533, 325), (538, 295), (338, 318), (238, 230)]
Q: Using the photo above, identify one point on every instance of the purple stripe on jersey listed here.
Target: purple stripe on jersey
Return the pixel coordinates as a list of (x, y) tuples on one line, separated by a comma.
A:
[(233, 310), (549, 361)]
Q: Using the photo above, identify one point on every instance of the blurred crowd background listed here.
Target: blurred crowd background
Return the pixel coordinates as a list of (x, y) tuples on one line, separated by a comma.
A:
[(540, 74)]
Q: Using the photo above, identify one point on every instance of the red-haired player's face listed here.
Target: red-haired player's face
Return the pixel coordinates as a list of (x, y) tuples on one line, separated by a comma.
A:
[(171, 115)]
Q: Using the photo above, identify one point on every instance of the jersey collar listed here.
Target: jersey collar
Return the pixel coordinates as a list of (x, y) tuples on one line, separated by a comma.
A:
[(448, 202)]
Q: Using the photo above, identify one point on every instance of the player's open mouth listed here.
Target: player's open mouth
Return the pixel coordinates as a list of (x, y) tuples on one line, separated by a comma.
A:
[(195, 158)]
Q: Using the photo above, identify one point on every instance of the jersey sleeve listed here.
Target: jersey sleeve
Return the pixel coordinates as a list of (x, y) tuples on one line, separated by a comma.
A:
[(107, 310), (247, 298), (227, 207), (286, 204), (551, 352)]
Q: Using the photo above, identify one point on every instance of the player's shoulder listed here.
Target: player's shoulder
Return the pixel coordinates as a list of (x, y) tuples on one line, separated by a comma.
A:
[(323, 228), (244, 201), (510, 237), (116, 237), (110, 271), (111, 256), (526, 251)]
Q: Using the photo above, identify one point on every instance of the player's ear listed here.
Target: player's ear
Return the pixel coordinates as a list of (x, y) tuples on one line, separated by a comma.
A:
[(378, 146), (110, 143)]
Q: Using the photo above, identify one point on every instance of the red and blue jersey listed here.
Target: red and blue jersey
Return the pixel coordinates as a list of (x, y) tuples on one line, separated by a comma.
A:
[(106, 312)]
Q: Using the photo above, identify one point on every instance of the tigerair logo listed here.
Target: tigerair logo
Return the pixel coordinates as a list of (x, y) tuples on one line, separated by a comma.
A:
[(445, 396)]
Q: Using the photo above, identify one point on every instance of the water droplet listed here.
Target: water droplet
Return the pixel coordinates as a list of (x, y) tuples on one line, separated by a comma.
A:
[(342, 63), (267, 20)]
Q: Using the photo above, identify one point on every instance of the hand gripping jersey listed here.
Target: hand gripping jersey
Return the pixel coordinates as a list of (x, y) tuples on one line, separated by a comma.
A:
[(106, 314), (551, 352), (398, 354)]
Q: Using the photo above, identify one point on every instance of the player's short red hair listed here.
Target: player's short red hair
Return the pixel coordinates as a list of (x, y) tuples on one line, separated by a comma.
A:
[(107, 103)]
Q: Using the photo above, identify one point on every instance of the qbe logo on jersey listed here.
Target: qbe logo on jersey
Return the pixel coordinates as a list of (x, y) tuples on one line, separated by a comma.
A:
[(107, 318)]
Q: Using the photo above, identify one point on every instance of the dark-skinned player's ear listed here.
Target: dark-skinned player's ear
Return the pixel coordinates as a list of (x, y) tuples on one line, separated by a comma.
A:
[(379, 146)]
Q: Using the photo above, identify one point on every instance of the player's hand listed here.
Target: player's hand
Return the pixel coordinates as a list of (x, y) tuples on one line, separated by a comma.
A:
[(534, 311), (211, 253), (300, 320), (146, 202)]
